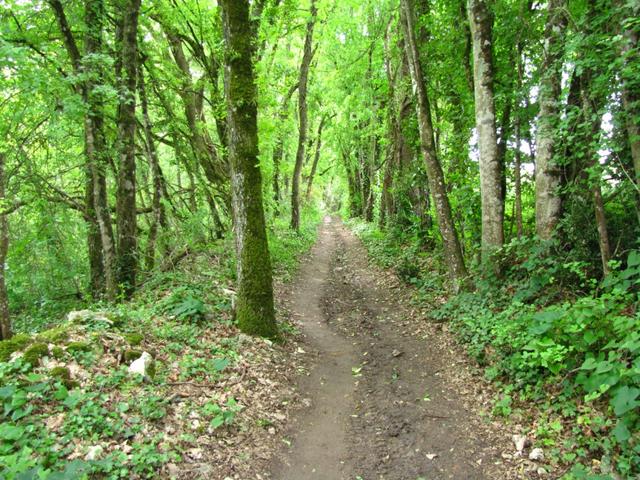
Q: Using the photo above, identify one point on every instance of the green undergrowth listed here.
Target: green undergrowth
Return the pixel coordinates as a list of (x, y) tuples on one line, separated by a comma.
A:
[(562, 348), (70, 407)]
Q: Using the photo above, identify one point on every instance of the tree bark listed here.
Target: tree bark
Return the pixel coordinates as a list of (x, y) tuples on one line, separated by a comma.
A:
[(491, 168), (99, 243), (127, 262), (302, 117), (631, 92), (5, 319), (453, 252), (386, 197), (548, 173), (278, 151), (517, 168), (517, 180), (592, 117), (94, 241), (95, 144), (201, 143), (316, 157), (254, 307), (592, 101), (159, 214), (464, 17)]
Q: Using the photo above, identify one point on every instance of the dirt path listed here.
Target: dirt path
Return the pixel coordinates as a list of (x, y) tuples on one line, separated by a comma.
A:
[(389, 398)]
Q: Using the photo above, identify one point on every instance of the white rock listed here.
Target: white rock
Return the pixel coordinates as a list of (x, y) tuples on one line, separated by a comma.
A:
[(520, 441), (243, 339), (141, 365), (94, 452), (536, 454), (82, 316), (232, 296)]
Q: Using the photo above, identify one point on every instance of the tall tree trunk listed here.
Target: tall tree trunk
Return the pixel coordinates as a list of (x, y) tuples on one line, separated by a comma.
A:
[(213, 166), (101, 273), (5, 319), (365, 181), (591, 116), (316, 157), (95, 144), (491, 168), (517, 181), (278, 151), (159, 214), (94, 243), (453, 253), (353, 184), (254, 307), (517, 168), (370, 166), (631, 91), (127, 262), (302, 116), (592, 100), (548, 173), (386, 197), (464, 17)]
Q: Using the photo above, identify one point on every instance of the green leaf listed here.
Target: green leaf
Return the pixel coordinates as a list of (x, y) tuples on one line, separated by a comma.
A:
[(589, 364), (543, 321), (220, 364), (624, 400), (217, 421), (7, 392), (72, 400), (62, 393), (604, 367), (621, 432), (10, 432)]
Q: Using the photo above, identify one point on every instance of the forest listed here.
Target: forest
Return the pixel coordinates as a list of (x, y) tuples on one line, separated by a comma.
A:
[(331, 239)]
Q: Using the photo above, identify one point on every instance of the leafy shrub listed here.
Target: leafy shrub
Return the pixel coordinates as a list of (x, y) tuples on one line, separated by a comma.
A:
[(184, 304), (588, 348), (221, 415)]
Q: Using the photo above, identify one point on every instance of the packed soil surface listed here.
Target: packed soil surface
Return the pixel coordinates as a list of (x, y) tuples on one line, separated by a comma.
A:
[(388, 395)]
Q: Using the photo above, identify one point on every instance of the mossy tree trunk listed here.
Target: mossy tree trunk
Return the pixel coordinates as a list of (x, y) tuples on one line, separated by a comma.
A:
[(254, 306), (127, 260), (5, 319)]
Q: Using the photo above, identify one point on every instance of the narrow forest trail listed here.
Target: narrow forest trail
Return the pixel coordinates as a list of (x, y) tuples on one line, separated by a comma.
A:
[(386, 402)]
